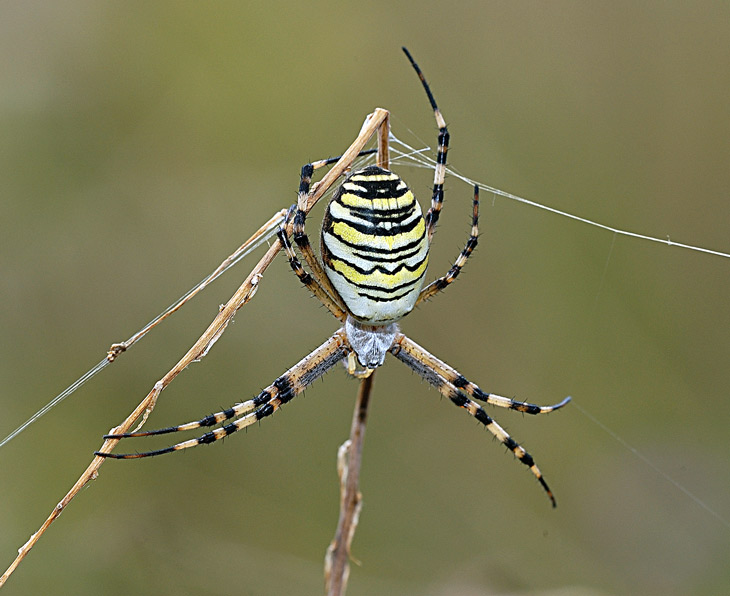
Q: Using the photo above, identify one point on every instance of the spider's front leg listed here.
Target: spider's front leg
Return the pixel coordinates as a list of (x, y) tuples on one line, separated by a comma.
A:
[(408, 351), (281, 391), (454, 386)]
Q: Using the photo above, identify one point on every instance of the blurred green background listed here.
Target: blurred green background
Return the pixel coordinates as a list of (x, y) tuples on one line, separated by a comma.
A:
[(141, 142)]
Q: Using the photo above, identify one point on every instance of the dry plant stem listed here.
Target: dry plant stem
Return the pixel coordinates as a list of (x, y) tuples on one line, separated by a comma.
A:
[(337, 564), (337, 560), (244, 293), (118, 348), (371, 125), (384, 145)]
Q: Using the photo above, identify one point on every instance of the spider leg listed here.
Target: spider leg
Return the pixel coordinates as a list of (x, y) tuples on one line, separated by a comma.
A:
[(439, 174), (453, 376), (302, 239), (300, 236), (281, 391), (442, 282), (310, 280), (211, 420), (420, 362), (330, 160), (317, 282)]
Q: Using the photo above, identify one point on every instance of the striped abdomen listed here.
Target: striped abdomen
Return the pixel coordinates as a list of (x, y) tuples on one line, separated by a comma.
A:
[(374, 246)]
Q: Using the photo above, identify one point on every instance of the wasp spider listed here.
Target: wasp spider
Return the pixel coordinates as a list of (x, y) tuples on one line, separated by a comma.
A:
[(374, 246)]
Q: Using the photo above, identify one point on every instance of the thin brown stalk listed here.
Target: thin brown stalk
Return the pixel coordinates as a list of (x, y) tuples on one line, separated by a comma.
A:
[(244, 293), (337, 559)]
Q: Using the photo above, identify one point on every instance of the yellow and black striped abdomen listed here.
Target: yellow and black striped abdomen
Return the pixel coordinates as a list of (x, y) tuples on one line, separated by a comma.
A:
[(374, 246)]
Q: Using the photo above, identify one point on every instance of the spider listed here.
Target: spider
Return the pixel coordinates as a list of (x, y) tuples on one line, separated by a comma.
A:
[(374, 246)]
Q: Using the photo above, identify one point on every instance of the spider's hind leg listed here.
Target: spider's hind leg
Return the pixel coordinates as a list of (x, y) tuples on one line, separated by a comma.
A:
[(311, 281), (443, 282), (297, 215), (439, 174)]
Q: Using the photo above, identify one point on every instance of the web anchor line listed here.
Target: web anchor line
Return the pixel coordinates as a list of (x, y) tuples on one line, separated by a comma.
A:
[(422, 159)]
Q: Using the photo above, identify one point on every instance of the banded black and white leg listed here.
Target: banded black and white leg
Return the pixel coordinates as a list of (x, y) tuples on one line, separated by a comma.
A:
[(298, 217), (281, 391), (298, 232), (441, 283), (410, 349), (437, 198), (454, 386), (439, 174), (311, 280)]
